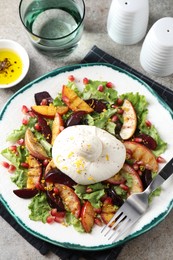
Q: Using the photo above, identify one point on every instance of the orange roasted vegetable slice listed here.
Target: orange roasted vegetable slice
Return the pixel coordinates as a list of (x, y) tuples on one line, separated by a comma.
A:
[(73, 101)]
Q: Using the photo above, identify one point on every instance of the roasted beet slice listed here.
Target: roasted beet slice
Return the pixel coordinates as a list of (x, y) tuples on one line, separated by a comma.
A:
[(25, 193), (116, 199), (45, 128), (148, 141), (75, 118), (43, 95), (55, 201), (97, 105), (56, 176)]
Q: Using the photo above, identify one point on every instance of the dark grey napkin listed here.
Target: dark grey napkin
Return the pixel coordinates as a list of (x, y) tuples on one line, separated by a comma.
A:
[(95, 55)]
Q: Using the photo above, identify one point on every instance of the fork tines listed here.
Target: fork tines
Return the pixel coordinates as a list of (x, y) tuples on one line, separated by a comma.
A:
[(113, 230)]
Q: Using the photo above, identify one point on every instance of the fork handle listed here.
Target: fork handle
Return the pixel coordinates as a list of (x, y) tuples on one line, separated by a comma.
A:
[(164, 174)]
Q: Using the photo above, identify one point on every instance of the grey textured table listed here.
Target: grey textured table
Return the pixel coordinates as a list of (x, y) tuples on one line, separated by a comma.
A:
[(155, 244)]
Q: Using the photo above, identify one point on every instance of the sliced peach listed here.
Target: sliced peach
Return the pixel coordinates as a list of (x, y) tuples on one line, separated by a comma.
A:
[(46, 111), (57, 125), (128, 171), (50, 166), (49, 111), (34, 172), (116, 179), (108, 211), (129, 120), (34, 147), (73, 101), (87, 216), (70, 199), (142, 153)]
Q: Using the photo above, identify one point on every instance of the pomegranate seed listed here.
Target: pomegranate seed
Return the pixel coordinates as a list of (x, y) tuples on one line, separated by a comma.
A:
[(25, 165), (45, 162), (124, 187), (59, 219), (137, 140), (71, 78), (13, 148), (55, 190), (21, 141), (148, 123), (5, 164), (25, 121), (114, 118), (160, 159), (114, 106), (98, 222), (11, 168), (85, 81), (44, 102), (89, 190), (100, 88), (39, 186), (53, 212), (109, 84), (37, 127), (108, 200), (31, 114), (50, 219), (25, 110), (119, 101), (120, 111)]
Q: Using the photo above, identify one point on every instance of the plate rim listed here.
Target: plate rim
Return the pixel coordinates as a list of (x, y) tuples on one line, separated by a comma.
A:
[(76, 246)]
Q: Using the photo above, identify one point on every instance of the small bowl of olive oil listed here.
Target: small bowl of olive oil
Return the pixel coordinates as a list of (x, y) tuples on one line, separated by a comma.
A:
[(14, 63)]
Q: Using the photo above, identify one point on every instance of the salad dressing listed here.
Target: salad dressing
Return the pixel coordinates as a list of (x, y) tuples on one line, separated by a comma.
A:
[(10, 66)]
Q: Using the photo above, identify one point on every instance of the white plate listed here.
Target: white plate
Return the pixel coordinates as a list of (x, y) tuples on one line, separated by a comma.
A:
[(159, 114)]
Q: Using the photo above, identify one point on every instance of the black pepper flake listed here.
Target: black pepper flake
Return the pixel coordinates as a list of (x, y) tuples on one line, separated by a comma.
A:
[(4, 65)]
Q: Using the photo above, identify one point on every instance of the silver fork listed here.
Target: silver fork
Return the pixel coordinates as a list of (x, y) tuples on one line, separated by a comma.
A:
[(135, 206)]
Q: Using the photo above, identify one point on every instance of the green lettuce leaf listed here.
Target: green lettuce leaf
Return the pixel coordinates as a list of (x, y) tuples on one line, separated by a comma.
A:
[(17, 134), (97, 191), (15, 158), (71, 220), (39, 207), (20, 178), (101, 120), (91, 91)]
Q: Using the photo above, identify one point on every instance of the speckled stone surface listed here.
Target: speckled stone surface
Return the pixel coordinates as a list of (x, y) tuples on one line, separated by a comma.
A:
[(155, 244)]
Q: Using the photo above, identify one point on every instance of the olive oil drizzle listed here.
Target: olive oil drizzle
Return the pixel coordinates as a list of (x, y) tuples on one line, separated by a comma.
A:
[(10, 66)]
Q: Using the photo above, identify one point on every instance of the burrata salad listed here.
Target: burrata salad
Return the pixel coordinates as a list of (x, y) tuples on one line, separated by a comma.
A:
[(78, 156)]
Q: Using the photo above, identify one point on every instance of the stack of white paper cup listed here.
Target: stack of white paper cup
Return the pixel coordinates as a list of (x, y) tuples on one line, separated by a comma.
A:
[(156, 55), (128, 21)]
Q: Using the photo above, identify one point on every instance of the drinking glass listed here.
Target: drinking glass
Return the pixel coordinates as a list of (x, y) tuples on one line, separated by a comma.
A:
[(54, 26)]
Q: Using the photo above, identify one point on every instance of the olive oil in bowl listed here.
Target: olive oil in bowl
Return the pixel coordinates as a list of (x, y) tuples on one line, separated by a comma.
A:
[(10, 66)]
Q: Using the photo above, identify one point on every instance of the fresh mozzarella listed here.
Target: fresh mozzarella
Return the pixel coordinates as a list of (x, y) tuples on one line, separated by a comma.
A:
[(88, 154)]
